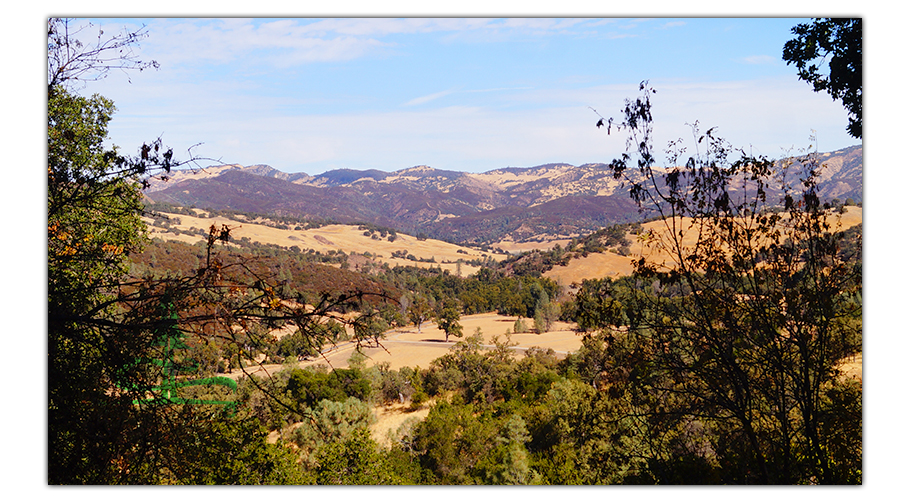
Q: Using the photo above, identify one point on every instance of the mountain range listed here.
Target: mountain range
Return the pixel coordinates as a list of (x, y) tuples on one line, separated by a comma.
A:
[(551, 201)]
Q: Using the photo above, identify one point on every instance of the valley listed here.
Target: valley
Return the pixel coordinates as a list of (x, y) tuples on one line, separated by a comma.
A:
[(510, 250), (518, 299), (689, 313)]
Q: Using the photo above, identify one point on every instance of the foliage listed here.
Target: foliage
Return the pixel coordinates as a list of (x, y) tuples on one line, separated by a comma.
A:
[(595, 306), (420, 309), (487, 290), (744, 346), (451, 441), (310, 386), (235, 452), (93, 223), (448, 321), (543, 311), (837, 43), (330, 421), (354, 459), (125, 404)]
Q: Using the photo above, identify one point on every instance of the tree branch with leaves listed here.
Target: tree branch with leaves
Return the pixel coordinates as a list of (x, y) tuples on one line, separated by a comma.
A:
[(743, 306)]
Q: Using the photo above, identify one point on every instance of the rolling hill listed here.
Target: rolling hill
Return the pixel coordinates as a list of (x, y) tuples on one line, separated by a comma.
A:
[(536, 204)]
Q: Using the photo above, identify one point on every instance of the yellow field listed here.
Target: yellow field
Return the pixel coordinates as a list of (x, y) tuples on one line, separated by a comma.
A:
[(406, 347), (349, 239)]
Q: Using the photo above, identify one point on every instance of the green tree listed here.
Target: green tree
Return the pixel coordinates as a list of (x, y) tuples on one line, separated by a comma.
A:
[(448, 321), (354, 459), (93, 223), (236, 452), (509, 462), (421, 310), (331, 421), (836, 43), (451, 440), (595, 307)]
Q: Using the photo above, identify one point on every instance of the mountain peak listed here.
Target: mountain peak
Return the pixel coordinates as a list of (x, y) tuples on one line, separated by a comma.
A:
[(418, 169)]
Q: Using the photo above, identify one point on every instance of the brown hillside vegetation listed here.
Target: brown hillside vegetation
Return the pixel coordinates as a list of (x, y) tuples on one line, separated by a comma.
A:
[(611, 265)]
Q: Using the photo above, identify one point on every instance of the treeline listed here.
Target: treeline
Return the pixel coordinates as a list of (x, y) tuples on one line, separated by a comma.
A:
[(306, 273), (486, 291), (303, 275), (157, 209)]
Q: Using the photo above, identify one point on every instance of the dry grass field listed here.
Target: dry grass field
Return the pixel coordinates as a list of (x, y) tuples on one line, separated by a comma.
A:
[(391, 417), (349, 239), (546, 242), (407, 347)]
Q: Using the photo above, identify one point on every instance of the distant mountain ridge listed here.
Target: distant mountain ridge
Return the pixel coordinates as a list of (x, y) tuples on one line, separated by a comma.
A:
[(545, 201)]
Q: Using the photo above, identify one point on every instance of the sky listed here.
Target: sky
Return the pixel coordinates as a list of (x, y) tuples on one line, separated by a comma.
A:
[(465, 94)]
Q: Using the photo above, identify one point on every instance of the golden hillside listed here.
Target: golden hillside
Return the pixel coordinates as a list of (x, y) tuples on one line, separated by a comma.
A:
[(349, 239), (612, 265)]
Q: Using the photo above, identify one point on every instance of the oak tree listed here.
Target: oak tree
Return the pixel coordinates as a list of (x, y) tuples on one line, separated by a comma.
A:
[(837, 45)]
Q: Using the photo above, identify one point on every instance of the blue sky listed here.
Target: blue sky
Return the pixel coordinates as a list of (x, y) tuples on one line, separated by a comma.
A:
[(310, 95)]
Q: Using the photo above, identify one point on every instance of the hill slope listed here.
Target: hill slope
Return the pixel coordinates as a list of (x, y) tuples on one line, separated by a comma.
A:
[(545, 202)]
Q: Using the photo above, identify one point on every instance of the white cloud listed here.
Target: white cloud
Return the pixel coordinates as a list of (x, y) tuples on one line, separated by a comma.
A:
[(443, 93), (192, 41)]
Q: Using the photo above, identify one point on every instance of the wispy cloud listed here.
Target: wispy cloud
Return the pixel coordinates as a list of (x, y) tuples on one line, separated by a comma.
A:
[(760, 60), (277, 42), (427, 98), (443, 93), (299, 41)]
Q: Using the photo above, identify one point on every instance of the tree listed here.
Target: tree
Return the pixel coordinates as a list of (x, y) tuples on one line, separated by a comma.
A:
[(123, 403), (448, 321), (737, 348), (544, 311), (452, 440), (594, 306), (93, 223), (71, 62), (837, 43), (513, 466), (420, 310), (332, 421), (354, 459)]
